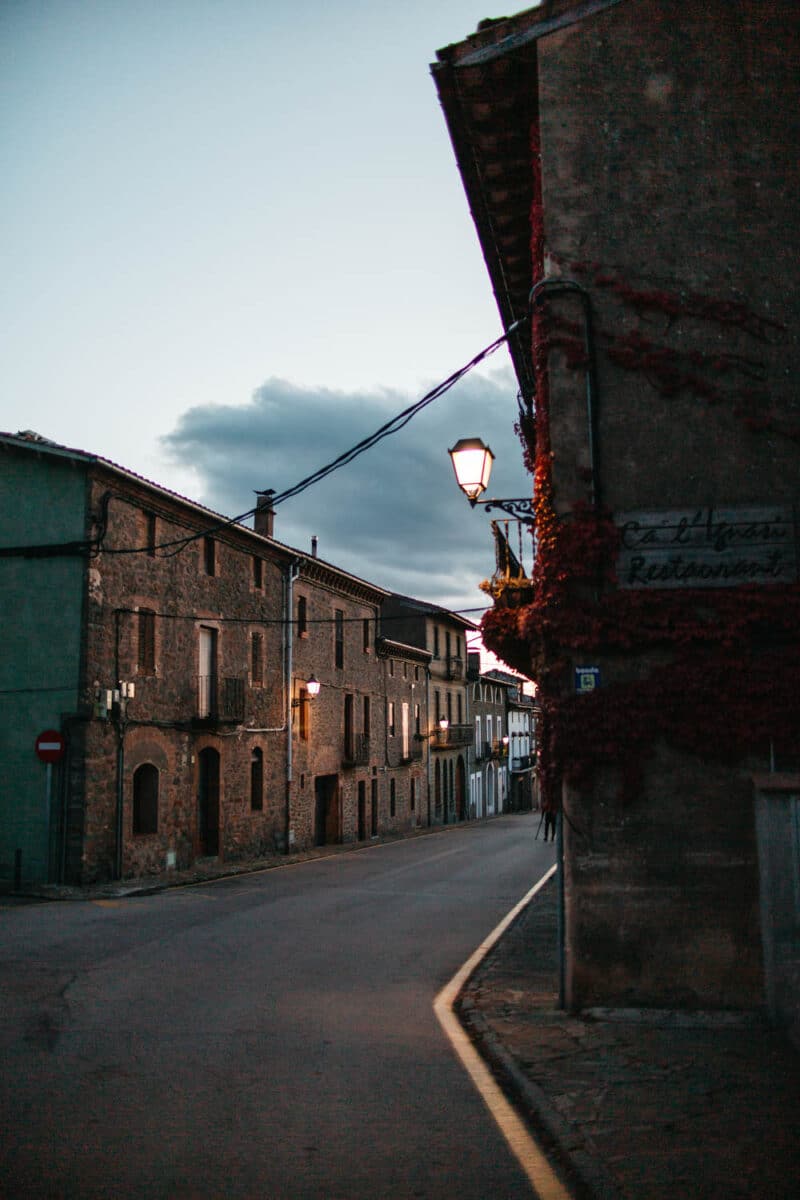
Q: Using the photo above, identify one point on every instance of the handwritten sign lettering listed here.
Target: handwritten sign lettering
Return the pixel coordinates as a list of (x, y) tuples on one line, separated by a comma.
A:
[(707, 547)]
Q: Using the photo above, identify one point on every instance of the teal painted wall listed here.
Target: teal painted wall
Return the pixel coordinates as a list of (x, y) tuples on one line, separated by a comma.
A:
[(42, 499)]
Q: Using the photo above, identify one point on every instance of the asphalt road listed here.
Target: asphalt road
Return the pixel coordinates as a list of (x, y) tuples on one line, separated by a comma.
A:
[(268, 1036)]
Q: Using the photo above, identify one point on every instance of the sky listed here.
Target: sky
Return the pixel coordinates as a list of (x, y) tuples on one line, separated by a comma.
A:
[(234, 243)]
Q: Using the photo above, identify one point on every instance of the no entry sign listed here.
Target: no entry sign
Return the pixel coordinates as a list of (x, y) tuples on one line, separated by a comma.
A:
[(50, 746)]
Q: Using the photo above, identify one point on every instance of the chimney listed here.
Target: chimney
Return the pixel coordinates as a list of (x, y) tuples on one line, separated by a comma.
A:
[(264, 519), (314, 545)]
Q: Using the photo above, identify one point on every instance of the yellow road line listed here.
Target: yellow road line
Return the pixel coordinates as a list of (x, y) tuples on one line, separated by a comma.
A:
[(532, 1160)]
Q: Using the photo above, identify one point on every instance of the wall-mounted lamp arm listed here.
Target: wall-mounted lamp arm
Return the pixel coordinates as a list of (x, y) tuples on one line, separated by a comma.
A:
[(519, 507)]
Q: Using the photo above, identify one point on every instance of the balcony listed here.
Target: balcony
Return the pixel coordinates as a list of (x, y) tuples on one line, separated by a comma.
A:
[(219, 700), (453, 736), (523, 763), (455, 667), (356, 751), (413, 751)]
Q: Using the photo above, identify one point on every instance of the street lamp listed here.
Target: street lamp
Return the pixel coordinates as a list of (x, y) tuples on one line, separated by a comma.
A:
[(472, 462), (311, 689)]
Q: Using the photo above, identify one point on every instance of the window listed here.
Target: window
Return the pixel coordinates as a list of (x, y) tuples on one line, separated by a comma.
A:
[(417, 729), (405, 731), (302, 617), (460, 709), (447, 643), (413, 800), (257, 659), (437, 703), (256, 780), (436, 641), (392, 797), (349, 739), (145, 799), (209, 556), (207, 677), (450, 707), (391, 718), (146, 656), (367, 716), (365, 636), (258, 573), (150, 519), (391, 666), (302, 709), (338, 621)]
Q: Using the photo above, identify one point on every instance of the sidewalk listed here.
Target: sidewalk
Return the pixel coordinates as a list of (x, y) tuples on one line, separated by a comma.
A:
[(647, 1108), (204, 870)]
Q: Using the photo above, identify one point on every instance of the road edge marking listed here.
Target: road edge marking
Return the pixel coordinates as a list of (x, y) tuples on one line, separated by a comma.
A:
[(531, 1158)]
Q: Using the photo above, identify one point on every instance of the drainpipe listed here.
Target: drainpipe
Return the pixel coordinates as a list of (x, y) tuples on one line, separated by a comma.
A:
[(120, 800), (292, 571), (560, 917), (431, 798)]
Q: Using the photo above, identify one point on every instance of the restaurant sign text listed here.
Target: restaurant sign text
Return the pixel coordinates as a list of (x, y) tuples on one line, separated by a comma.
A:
[(707, 547)]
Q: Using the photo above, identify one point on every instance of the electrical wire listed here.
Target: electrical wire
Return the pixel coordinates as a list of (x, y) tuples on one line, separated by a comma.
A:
[(176, 545)]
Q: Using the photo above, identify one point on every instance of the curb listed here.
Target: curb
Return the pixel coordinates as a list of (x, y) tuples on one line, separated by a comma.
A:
[(589, 1172)]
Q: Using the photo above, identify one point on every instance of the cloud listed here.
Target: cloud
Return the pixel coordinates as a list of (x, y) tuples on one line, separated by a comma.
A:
[(394, 516)]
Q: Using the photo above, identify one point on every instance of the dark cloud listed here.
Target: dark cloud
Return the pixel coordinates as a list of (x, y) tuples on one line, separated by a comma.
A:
[(394, 516)]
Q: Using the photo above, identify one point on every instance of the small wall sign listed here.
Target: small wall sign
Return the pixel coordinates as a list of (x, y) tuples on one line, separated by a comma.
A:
[(587, 679), (707, 547)]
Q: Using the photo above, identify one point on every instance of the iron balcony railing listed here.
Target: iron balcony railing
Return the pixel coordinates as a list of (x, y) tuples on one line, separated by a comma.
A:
[(522, 763), (454, 735), (219, 698), (412, 752), (356, 750), (455, 667)]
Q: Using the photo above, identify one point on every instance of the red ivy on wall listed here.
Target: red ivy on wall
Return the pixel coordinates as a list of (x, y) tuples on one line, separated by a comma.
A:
[(720, 666)]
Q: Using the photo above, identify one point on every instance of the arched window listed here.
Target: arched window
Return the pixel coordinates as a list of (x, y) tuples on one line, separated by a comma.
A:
[(256, 780), (145, 799)]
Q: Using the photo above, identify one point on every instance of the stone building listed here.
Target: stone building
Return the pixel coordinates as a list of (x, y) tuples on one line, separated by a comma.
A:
[(632, 170), (449, 734), (172, 653), (522, 750), (488, 777)]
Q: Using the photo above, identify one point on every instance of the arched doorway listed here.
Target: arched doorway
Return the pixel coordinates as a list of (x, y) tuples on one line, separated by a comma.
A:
[(208, 802)]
